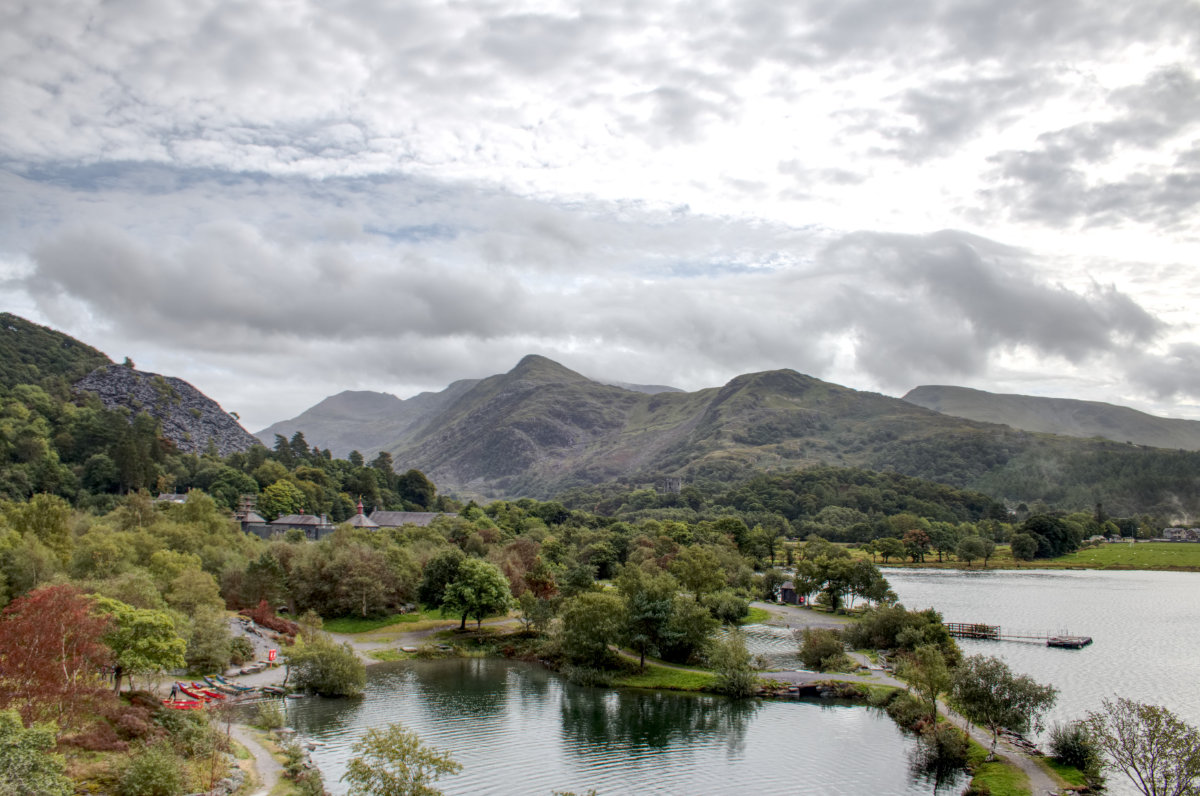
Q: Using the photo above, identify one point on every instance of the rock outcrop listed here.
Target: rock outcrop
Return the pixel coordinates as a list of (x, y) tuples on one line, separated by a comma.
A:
[(189, 418)]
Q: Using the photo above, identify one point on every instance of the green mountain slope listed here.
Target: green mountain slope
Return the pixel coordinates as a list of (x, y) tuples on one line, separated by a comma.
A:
[(1064, 416), (31, 354)]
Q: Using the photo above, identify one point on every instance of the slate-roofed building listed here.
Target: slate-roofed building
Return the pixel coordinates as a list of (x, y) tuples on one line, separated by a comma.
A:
[(394, 519), (314, 527), (361, 520)]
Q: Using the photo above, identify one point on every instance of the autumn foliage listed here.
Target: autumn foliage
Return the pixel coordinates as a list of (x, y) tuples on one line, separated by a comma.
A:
[(52, 659), (263, 615)]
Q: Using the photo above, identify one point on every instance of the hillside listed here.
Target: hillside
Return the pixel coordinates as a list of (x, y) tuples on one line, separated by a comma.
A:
[(542, 428), (31, 354), (1064, 416), (188, 418)]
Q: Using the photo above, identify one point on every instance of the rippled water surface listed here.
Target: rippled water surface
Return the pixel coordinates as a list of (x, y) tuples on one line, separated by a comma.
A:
[(1145, 627), (518, 729)]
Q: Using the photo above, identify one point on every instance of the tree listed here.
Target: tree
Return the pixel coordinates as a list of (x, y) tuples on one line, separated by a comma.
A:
[(280, 498), (889, 547), (590, 622), (440, 571), (142, 640), (51, 651), (648, 606), (916, 544), (969, 549), (699, 570), (731, 659), (927, 673), (324, 667), (823, 649), (393, 762), (208, 646), (1158, 751), (28, 764), (987, 692), (479, 589), (1024, 547)]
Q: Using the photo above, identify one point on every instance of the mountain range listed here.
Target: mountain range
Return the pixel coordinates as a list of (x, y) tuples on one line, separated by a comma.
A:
[(542, 428)]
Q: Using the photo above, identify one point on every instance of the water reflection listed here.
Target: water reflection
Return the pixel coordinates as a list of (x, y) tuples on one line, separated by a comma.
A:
[(651, 720)]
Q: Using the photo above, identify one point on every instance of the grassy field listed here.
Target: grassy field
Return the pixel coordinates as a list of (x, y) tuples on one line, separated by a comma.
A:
[(757, 616), (669, 678), (1182, 556), (353, 624)]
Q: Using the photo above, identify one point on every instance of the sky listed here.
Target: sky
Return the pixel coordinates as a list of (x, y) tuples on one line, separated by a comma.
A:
[(277, 200)]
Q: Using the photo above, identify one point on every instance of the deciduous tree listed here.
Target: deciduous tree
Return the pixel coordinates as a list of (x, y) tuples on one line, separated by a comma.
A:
[(987, 692), (142, 640), (479, 589), (392, 761), (51, 653), (1158, 751)]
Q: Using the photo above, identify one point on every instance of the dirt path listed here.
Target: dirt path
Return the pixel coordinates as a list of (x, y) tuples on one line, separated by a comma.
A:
[(266, 768)]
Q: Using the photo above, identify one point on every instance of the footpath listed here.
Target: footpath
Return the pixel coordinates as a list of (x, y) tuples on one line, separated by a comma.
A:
[(796, 618)]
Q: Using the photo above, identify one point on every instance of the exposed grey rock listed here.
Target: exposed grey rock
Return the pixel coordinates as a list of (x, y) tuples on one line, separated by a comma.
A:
[(189, 418)]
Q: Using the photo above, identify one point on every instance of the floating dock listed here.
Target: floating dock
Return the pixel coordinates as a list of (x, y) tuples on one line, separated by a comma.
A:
[(995, 633)]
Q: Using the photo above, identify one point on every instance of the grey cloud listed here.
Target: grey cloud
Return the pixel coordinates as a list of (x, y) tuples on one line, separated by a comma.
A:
[(1054, 183), (1177, 372)]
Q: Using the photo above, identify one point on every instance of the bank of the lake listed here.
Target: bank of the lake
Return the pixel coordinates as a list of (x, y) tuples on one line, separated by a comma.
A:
[(1144, 626), (1142, 555), (518, 728)]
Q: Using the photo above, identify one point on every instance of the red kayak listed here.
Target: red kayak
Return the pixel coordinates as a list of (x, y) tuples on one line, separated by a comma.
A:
[(183, 704), (208, 693), (187, 691)]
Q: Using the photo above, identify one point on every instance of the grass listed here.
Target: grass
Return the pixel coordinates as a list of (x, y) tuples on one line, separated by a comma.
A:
[(388, 655), (1068, 774), (667, 678), (1179, 556), (757, 616), (1001, 777), (354, 624), (1142, 555)]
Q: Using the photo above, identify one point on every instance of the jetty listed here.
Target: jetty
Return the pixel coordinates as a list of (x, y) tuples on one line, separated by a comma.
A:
[(995, 633)]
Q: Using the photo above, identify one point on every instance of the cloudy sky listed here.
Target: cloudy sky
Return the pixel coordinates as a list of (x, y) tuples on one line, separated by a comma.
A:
[(277, 200)]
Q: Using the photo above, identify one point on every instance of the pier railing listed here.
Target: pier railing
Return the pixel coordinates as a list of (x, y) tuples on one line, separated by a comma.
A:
[(976, 630)]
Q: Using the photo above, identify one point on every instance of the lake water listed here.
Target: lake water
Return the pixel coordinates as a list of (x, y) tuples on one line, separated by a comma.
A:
[(519, 729), (1145, 628)]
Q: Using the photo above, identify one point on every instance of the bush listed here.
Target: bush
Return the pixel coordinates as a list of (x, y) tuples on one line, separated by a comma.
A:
[(586, 675), (823, 650), (191, 734), (727, 607), (269, 716), (240, 650), (1073, 745), (326, 668), (941, 753), (153, 771), (907, 711)]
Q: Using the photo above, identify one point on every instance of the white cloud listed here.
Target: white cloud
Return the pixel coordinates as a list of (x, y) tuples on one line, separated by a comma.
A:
[(292, 198)]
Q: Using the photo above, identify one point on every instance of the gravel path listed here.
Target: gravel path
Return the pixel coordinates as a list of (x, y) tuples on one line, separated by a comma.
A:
[(267, 768)]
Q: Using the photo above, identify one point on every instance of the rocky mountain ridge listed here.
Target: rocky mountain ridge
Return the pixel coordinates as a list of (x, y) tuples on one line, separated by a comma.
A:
[(188, 417)]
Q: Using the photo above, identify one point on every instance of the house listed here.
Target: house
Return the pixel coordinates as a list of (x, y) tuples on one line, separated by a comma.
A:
[(394, 519), (787, 593), (360, 520), (315, 527)]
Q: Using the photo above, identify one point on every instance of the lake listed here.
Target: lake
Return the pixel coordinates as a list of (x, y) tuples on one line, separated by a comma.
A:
[(519, 729)]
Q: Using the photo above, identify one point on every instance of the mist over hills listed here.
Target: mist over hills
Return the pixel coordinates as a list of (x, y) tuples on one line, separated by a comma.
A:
[(1064, 416)]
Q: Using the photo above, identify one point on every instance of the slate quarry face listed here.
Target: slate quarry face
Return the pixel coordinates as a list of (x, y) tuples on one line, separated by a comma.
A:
[(189, 418)]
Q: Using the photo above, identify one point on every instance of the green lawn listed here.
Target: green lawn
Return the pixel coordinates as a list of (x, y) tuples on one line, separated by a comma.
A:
[(663, 677), (757, 616), (354, 624), (1142, 555), (1000, 777)]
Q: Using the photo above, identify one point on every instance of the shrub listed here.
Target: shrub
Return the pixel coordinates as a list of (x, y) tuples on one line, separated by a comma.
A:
[(586, 675), (907, 711), (823, 649), (727, 607), (1073, 745), (240, 650), (191, 734), (326, 668), (153, 771), (269, 716)]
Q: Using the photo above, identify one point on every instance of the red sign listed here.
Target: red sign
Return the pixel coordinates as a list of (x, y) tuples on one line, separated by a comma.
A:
[(271, 655)]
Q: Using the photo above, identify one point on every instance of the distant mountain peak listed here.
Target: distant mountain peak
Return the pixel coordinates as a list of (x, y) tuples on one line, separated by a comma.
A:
[(535, 367)]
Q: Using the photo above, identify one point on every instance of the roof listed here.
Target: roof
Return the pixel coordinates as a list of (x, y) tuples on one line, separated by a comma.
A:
[(362, 521), (299, 519), (787, 584), (394, 519), (249, 516)]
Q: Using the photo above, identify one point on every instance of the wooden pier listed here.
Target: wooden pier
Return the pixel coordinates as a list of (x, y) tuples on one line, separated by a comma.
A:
[(994, 633)]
